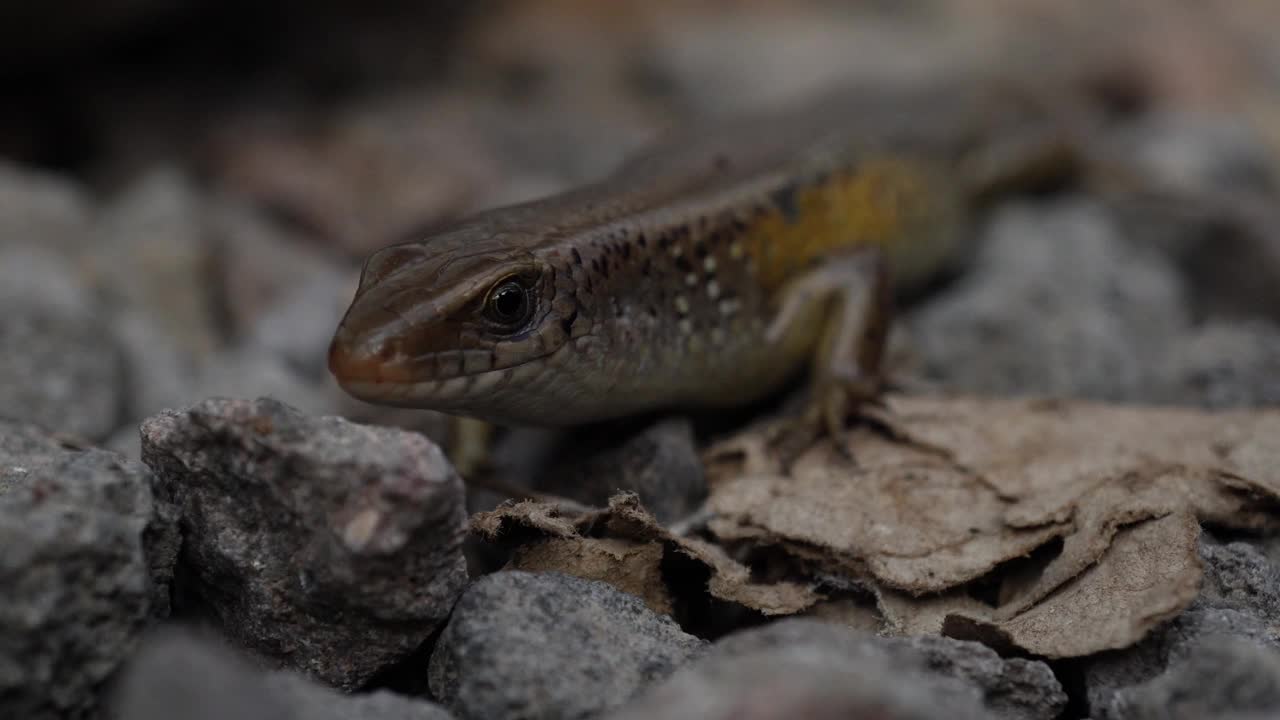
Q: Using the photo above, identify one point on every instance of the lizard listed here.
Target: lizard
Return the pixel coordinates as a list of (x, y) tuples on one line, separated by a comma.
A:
[(706, 272)]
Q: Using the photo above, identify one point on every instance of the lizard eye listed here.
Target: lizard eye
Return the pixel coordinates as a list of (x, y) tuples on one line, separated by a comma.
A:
[(508, 304)]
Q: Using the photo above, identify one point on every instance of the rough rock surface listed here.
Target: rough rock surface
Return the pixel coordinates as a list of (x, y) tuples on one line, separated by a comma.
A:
[(1012, 688), (1238, 599), (548, 645), (1220, 224), (86, 556), (179, 673), (660, 464), (60, 369), (1223, 365), (1057, 304), (1223, 677), (331, 547), (810, 669)]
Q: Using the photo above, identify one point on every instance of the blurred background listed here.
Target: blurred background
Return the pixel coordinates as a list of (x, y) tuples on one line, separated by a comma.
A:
[(187, 187)]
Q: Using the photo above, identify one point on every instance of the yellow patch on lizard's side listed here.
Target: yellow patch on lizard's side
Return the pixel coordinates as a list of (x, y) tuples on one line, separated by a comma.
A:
[(893, 203)]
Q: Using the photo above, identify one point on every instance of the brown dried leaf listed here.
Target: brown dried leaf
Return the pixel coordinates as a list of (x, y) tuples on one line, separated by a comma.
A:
[(629, 566), (910, 615), (1045, 454), (1150, 573), (912, 519), (848, 612), (625, 546), (983, 482), (968, 489)]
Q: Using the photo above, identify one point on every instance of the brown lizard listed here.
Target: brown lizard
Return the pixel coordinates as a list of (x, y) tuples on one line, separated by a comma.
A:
[(705, 273)]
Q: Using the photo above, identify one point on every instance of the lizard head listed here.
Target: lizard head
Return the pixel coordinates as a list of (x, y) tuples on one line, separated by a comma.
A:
[(449, 323)]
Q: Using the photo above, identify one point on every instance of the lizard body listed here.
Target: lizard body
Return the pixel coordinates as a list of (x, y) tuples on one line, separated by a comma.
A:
[(703, 273)]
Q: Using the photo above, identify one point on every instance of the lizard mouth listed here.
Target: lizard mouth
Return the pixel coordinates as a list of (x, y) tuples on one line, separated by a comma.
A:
[(355, 363), (381, 375)]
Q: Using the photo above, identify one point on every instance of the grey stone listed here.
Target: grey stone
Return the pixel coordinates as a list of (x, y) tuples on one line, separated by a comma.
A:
[(61, 370), (1057, 303), (269, 277), (86, 559), (1223, 365), (1214, 209), (42, 210), (327, 546), (40, 468), (1198, 152), (23, 449), (1224, 677), (32, 272), (299, 324), (810, 669), (166, 377), (1241, 576), (161, 373), (153, 256), (1012, 688), (181, 673), (547, 645), (660, 464), (255, 372)]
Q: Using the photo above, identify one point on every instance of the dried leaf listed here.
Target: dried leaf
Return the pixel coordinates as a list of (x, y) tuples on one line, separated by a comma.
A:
[(629, 566), (625, 546), (971, 490), (1150, 574), (910, 518)]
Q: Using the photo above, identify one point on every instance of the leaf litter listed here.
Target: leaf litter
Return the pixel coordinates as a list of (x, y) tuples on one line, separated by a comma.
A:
[(1054, 528)]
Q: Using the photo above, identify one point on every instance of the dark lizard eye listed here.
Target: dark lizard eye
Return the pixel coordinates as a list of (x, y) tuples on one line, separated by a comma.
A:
[(508, 304)]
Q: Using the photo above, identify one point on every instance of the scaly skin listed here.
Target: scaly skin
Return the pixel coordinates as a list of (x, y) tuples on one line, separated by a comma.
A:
[(705, 273)]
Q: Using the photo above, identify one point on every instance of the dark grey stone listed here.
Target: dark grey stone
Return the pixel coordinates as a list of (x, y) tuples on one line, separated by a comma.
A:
[(1223, 365), (1213, 210), (1223, 677), (811, 669), (61, 370), (1203, 153), (1239, 575), (537, 646), (660, 464), (180, 673), (33, 272), (1057, 303), (1011, 688), (153, 256), (327, 546), (86, 558)]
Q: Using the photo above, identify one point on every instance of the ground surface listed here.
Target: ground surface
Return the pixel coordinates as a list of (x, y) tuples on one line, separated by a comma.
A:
[(1076, 519)]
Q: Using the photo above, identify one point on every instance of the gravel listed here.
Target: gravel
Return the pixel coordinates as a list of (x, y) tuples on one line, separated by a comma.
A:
[(182, 673), (329, 547), (538, 646), (86, 560)]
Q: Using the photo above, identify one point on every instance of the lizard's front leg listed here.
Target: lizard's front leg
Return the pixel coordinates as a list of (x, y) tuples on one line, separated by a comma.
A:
[(852, 295)]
